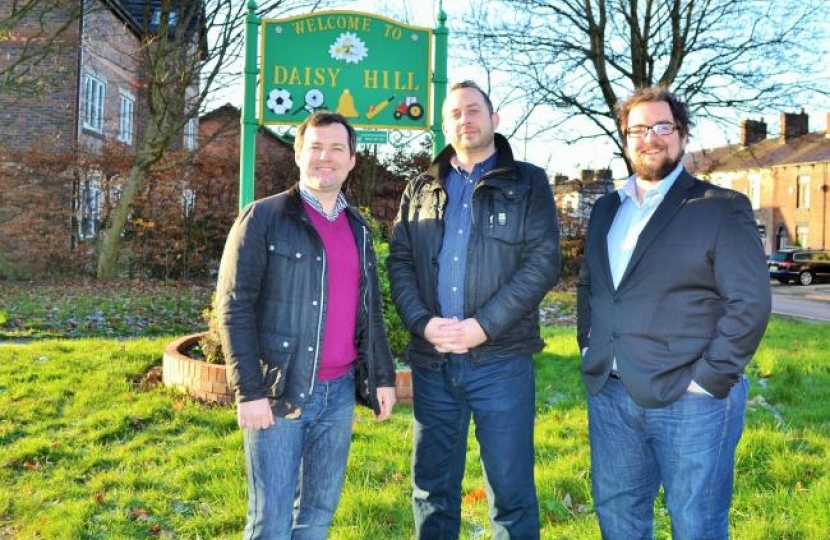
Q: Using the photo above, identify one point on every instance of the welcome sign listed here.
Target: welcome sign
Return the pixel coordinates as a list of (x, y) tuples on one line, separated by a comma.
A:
[(373, 70)]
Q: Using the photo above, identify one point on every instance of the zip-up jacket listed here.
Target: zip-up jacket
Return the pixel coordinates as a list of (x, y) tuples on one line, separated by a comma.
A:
[(271, 302), (512, 257)]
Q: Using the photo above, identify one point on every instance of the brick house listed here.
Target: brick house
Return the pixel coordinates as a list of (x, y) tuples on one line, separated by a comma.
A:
[(785, 177), (219, 134), (92, 78), (576, 197), (89, 97)]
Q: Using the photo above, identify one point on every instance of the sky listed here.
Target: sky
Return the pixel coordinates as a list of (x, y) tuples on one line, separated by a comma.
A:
[(554, 156)]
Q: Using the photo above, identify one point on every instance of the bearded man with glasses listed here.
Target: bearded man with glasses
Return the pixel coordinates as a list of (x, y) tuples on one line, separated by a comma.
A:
[(673, 299)]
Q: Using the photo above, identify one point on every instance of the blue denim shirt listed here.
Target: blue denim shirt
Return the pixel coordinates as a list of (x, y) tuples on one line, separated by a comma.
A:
[(458, 220)]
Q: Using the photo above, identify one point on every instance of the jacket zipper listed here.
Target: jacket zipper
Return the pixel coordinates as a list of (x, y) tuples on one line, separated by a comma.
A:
[(365, 273), (319, 325)]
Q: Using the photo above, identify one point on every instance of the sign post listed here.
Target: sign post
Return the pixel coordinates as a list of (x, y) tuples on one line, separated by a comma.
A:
[(247, 137), (439, 79)]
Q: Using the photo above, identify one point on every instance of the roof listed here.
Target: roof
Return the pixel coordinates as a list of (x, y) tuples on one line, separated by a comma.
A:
[(809, 148), (232, 111), (142, 16)]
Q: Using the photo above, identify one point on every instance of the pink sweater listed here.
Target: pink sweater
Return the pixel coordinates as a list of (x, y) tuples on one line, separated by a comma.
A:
[(343, 281)]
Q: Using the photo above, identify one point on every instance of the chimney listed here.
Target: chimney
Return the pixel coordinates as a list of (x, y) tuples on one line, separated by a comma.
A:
[(586, 175), (752, 131), (603, 175), (793, 125)]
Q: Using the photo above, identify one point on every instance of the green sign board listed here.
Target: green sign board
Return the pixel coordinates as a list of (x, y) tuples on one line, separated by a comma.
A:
[(373, 70), (372, 137)]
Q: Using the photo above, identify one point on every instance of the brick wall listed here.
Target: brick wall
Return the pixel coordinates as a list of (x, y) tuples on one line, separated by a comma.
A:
[(111, 53), (815, 217), (37, 105)]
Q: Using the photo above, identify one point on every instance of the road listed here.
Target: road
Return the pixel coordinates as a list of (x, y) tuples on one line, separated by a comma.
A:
[(811, 302)]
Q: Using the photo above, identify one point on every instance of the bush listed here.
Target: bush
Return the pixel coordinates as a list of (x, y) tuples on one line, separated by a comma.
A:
[(211, 342)]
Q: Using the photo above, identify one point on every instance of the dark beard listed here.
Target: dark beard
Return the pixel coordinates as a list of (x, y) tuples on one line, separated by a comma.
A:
[(655, 174)]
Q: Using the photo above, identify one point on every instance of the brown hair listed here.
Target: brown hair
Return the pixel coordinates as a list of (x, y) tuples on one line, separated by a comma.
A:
[(474, 86), (325, 118), (656, 94)]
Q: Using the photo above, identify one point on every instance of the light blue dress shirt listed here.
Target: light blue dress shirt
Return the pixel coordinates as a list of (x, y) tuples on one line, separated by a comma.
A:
[(631, 219)]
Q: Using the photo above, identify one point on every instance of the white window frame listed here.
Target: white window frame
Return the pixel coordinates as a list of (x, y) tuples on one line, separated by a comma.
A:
[(188, 201), (126, 117), (755, 190), (803, 200), (802, 236), (95, 91), (191, 130), (89, 205)]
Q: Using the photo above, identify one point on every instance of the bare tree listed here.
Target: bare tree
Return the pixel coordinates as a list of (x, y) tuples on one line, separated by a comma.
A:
[(578, 58), (193, 50)]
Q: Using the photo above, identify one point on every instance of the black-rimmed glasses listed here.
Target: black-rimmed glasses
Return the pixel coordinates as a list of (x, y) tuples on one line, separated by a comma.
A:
[(660, 129)]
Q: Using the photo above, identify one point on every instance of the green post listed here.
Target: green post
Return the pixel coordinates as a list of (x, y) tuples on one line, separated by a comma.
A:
[(439, 79), (247, 155)]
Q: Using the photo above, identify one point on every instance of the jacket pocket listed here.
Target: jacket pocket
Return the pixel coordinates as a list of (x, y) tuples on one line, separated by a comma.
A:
[(278, 351), (281, 248), (504, 219)]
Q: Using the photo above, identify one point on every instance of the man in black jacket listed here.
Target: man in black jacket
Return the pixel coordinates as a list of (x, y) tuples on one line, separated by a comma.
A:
[(474, 250), (302, 329)]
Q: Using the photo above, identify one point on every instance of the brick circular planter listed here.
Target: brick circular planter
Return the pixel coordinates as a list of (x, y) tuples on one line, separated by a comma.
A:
[(403, 385), (196, 378), (208, 382)]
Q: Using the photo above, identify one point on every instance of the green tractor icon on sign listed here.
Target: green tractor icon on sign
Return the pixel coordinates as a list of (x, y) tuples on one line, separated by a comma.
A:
[(410, 107)]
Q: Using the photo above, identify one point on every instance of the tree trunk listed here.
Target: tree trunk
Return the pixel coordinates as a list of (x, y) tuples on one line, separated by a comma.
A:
[(110, 248)]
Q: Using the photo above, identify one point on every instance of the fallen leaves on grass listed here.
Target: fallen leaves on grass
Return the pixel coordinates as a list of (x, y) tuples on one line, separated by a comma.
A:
[(140, 514), (475, 495), (95, 309)]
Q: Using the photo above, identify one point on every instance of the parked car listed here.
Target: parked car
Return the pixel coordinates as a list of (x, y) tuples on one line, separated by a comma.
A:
[(803, 265)]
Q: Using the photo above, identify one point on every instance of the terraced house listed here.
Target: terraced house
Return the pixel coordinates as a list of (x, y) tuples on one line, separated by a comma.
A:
[(787, 178)]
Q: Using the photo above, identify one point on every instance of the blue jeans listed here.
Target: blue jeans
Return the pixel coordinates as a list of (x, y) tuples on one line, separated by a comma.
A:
[(688, 446), (500, 397), (296, 467)]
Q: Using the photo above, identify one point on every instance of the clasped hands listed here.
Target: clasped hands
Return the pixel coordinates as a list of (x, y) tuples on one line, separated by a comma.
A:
[(454, 336)]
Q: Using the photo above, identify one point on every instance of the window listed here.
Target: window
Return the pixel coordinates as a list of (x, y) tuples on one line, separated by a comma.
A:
[(803, 192), (755, 190), (802, 236), (125, 118), (94, 92), (190, 131), (188, 201), (89, 205), (172, 18)]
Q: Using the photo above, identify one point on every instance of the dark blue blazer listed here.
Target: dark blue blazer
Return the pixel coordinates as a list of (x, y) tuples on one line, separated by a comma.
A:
[(692, 304)]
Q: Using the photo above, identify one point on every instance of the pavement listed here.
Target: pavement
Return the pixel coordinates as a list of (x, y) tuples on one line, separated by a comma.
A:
[(810, 303)]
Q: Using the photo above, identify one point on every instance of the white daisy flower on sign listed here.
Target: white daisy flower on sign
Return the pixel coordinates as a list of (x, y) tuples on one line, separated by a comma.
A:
[(279, 101), (348, 48)]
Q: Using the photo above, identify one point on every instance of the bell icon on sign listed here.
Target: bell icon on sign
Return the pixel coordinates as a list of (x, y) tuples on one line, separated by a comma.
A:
[(345, 105)]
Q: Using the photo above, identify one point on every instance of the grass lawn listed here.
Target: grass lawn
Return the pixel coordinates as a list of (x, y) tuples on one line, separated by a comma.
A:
[(94, 448)]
